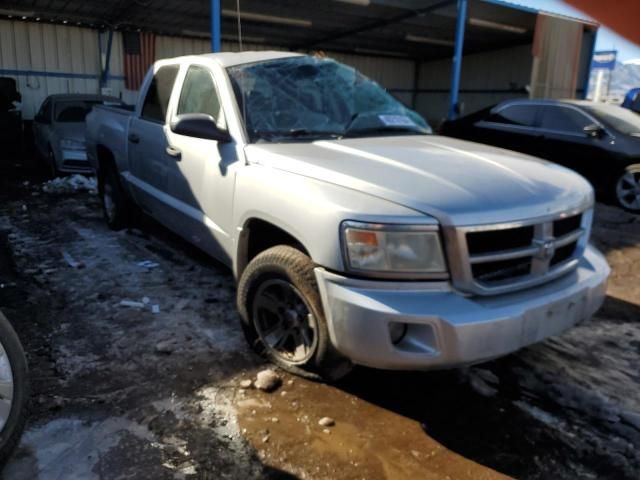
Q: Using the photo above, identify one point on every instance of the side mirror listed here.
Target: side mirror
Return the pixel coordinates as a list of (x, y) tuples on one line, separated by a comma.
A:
[(593, 131), (199, 125)]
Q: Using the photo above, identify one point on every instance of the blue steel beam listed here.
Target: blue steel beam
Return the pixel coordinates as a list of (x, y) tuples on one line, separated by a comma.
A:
[(215, 25), (585, 85), (457, 60)]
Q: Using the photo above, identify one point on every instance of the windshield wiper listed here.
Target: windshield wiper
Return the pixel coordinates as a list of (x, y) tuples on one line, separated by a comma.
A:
[(270, 135), (349, 131)]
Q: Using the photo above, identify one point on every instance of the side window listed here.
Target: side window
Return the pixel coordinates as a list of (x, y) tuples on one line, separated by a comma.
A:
[(522, 115), (156, 102), (564, 119), (199, 95)]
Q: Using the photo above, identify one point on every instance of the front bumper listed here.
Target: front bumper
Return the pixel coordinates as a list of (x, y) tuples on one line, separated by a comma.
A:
[(446, 328)]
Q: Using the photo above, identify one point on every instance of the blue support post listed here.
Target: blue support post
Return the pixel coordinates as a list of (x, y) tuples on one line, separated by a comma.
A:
[(457, 60), (215, 25), (585, 86)]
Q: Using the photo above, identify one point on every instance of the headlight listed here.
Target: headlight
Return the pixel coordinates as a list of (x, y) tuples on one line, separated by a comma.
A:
[(394, 250), (69, 144)]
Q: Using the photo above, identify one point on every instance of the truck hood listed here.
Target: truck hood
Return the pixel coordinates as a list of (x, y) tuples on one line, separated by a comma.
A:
[(455, 181)]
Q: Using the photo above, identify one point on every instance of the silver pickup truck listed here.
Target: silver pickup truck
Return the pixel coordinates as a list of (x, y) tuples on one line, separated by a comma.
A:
[(356, 236)]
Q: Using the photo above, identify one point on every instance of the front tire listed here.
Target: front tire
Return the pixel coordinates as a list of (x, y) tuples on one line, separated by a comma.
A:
[(627, 189), (282, 316), (115, 204), (14, 389)]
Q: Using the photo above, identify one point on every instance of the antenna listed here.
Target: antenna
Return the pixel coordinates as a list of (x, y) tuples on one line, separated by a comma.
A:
[(239, 24), (244, 98)]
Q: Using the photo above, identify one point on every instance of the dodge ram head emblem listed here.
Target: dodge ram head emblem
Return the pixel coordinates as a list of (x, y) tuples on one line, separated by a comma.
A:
[(546, 249)]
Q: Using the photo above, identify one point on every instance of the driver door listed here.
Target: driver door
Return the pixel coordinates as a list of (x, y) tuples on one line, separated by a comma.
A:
[(201, 173), (565, 142)]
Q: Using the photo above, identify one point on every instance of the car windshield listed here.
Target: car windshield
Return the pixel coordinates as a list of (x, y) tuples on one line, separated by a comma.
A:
[(74, 111), (310, 98), (623, 120)]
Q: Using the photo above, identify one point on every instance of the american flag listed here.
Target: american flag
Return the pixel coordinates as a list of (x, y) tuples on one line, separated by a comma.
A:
[(139, 54)]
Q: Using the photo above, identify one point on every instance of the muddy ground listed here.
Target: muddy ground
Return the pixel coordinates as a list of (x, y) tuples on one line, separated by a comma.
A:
[(152, 391)]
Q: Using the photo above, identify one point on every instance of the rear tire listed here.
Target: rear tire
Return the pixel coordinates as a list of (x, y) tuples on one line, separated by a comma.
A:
[(13, 426), (282, 316), (116, 205), (626, 190)]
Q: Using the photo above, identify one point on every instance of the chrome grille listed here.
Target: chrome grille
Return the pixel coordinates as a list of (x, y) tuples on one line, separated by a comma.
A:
[(491, 259)]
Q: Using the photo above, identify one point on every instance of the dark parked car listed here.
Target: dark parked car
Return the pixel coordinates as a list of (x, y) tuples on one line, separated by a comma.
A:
[(58, 131), (602, 142)]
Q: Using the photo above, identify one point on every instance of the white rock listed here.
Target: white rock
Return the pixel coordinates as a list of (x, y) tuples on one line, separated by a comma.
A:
[(267, 380), (326, 422), (131, 303), (166, 347), (246, 383)]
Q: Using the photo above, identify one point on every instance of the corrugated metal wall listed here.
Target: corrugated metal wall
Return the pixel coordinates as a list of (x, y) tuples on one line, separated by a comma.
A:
[(49, 58), (492, 73), (32, 53)]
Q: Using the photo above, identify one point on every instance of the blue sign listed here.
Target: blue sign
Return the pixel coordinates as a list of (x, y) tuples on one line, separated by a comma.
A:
[(605, 60)]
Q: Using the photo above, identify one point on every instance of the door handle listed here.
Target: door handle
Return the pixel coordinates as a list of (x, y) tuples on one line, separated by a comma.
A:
[(173, 152), (133, 138)]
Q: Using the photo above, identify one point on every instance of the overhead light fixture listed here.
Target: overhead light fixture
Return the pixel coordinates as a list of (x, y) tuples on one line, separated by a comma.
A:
[(260, 17), (429, 40), (373, 51), (478, 22), (361, 3), (17, 13)]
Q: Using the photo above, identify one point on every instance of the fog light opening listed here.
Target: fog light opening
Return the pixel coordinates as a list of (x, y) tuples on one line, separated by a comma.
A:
[(397, 331)]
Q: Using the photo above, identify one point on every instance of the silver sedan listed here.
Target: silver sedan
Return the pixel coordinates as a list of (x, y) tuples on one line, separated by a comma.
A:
[(59, 131)]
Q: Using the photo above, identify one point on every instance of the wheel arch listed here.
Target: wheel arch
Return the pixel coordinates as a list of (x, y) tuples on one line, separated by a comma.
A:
[(105, 159), (258, 235)]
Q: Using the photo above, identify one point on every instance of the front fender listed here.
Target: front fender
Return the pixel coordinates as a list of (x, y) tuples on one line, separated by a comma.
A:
[(310, 210)]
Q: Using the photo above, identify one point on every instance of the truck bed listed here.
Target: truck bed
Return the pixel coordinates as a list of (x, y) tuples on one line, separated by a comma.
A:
[(107, 126)]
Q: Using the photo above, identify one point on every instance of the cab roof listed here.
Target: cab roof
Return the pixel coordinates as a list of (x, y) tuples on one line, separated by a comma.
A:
[(231, 59)]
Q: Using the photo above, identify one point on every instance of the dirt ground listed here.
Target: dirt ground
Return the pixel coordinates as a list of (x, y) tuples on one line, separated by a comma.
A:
[(152, 391)]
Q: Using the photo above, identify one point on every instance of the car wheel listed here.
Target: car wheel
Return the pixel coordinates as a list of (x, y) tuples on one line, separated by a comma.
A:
[(282, 316), (14, 389), (627, 189), (52, 167), (115, 204)]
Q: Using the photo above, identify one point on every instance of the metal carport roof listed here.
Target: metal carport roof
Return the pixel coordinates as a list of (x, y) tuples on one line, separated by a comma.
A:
[(420, 29), (417, 29)]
